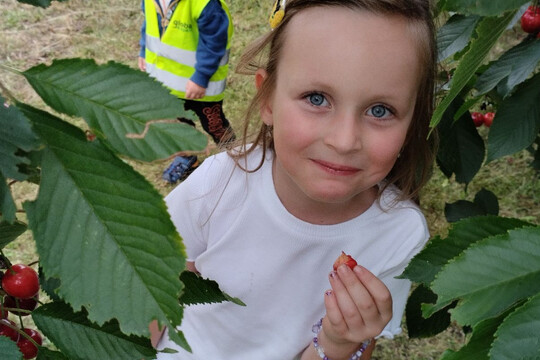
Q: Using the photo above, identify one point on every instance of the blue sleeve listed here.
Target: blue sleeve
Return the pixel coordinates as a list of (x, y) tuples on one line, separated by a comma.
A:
[(213, 32), (142, 40)]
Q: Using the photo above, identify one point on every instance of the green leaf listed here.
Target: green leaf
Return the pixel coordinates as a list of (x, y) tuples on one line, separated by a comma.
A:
[(478, 346), (483, 7), (511, 69), (417, 325), (48, 354), (49, 286), (9, 349), (15, 135), (485, 203), (454, 35), (8, 208), (517, 121), (517, 337), (41, 3), (425, 265), (461, 149), (10, 231), (490, 276), (78, 338), (133, 113), (101, 228), (178, 337), (488, 30), (198, 290)]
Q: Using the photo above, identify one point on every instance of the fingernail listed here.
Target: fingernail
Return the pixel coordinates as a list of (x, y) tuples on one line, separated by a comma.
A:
[(359, 269), (343, 269), (333, 274), (328, 293)]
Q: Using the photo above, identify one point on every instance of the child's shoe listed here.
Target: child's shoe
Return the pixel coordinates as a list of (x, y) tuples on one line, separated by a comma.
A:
[(179, 169)]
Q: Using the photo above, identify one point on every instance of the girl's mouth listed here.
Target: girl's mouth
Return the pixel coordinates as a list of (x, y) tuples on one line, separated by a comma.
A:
[(336, 169)]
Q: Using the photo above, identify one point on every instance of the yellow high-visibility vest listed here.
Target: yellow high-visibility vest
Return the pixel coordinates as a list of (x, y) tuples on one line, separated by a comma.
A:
[(171, 59)]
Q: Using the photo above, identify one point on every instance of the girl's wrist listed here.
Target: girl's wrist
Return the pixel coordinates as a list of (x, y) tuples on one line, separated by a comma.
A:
[(328, 349)]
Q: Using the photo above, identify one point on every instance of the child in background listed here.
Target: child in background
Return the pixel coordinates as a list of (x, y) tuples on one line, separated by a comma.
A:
[(345, 97), (185, 45)]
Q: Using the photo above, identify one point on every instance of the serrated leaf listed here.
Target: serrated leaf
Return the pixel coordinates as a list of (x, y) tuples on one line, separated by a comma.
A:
[(461, 149), (78, 338), (178, 337), (485, 203), (511, 69), (478, 345), (483, 7), (439, 251), (488, 30), (15, 134), (49, 286), (199, 290), (517, 336), (490, 276), (101, 228), (132, 112), (48, 354), (454, 35), (417, 325), (8, 208), (40, 3), (517, 121), (9, 349), (10, 231)]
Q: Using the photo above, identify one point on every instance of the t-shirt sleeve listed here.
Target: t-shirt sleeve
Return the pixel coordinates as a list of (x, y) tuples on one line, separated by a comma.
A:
[(416, 235), (190, 205)]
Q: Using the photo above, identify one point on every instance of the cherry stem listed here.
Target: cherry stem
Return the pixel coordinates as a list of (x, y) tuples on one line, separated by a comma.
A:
[(17, 310), (34, 263), (4, 257), (22, 332)]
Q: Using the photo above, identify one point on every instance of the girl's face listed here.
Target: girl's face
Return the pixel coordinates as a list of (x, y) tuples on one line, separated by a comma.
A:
[(345, 93)]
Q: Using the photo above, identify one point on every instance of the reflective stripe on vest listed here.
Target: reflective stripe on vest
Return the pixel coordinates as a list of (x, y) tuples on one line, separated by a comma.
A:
[(176, 82), (172, 59), (185, 57)]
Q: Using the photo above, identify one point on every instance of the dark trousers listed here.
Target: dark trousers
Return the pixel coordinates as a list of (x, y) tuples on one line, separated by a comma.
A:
[(212, 119)]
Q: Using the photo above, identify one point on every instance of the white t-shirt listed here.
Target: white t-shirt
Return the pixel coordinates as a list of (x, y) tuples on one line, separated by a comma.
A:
[(239, 234)]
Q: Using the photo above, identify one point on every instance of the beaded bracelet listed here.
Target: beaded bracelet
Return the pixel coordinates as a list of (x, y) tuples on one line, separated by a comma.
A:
[(317, 328)]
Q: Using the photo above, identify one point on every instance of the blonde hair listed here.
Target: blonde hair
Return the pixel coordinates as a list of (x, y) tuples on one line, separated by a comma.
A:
[(413, 167)]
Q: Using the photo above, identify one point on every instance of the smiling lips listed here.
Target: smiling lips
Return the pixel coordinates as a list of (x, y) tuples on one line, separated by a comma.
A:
[(336, 169)]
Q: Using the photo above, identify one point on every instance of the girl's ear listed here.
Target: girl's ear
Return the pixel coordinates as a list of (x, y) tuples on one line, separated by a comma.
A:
[(260, 76), (266, 108)]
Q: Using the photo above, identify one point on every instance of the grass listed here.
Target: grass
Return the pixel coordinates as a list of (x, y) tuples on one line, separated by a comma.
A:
[(106, 30)]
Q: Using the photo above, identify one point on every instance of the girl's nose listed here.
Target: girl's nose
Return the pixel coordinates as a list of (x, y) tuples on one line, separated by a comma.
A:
[(342, 133)]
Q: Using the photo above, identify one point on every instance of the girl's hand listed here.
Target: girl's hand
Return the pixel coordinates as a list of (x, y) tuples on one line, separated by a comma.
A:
[(194, 91), (357, 308), (142, 64)]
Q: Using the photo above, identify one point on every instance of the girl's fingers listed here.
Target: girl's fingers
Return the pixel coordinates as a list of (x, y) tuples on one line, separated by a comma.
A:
[(346, 285), (379, 294), (364, 300)]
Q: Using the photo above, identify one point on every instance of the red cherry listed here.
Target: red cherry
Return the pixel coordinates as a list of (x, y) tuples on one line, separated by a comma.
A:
[(344, 259), (478, 118), (7, 331), (488, 118), (28, 349), (21, 281), (24, 304), (530, 20)]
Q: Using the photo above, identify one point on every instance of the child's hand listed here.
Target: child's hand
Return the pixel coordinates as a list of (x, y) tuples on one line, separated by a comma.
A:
[(358, 307), (142, 64), (194, 91)]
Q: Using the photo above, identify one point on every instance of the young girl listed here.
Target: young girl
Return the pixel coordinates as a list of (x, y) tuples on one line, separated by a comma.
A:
[(345, 94)]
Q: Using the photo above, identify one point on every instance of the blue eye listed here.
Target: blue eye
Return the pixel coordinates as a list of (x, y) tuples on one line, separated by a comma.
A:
[(379, 111), (316, 99)]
